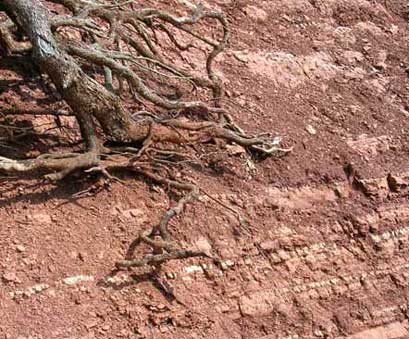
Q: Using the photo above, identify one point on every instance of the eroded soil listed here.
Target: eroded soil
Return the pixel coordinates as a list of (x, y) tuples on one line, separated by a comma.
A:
[(326, 251)]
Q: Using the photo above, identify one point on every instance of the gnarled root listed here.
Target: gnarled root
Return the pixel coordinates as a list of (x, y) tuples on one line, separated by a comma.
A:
[(157, 259), (59, 164), (164, 249)]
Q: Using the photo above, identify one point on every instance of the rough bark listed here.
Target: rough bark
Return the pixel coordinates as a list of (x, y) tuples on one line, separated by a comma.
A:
[(84, 95)]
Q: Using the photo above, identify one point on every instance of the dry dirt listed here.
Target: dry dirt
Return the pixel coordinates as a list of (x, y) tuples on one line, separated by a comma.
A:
[(326, 254)]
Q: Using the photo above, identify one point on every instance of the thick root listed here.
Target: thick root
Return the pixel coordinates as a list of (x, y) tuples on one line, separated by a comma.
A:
[(59, 164)]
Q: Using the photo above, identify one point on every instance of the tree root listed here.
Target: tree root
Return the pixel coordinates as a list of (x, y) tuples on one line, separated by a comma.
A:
[(125, 46), (164, 249), (156, 259), (8, 41), (34, 111), (60, 164), (265, 145)]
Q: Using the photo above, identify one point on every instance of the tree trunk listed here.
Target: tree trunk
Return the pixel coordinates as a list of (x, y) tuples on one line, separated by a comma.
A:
[(91, 101), (86, 97)]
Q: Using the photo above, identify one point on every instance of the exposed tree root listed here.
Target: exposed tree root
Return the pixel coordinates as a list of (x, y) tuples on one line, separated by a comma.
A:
[(34, 111), (59, 164), (156, 259), (117, 53)]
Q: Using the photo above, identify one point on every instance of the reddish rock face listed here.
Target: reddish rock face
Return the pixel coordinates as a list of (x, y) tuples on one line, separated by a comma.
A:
[(322, 248)]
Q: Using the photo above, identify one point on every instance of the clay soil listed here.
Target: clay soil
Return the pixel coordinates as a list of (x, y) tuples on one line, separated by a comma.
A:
[(326, 251)]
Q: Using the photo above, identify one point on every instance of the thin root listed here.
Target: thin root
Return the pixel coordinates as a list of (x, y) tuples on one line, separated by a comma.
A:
[(164, 249)]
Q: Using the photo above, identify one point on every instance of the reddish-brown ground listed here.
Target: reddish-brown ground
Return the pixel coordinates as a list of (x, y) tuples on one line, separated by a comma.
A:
[(326, 254)]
